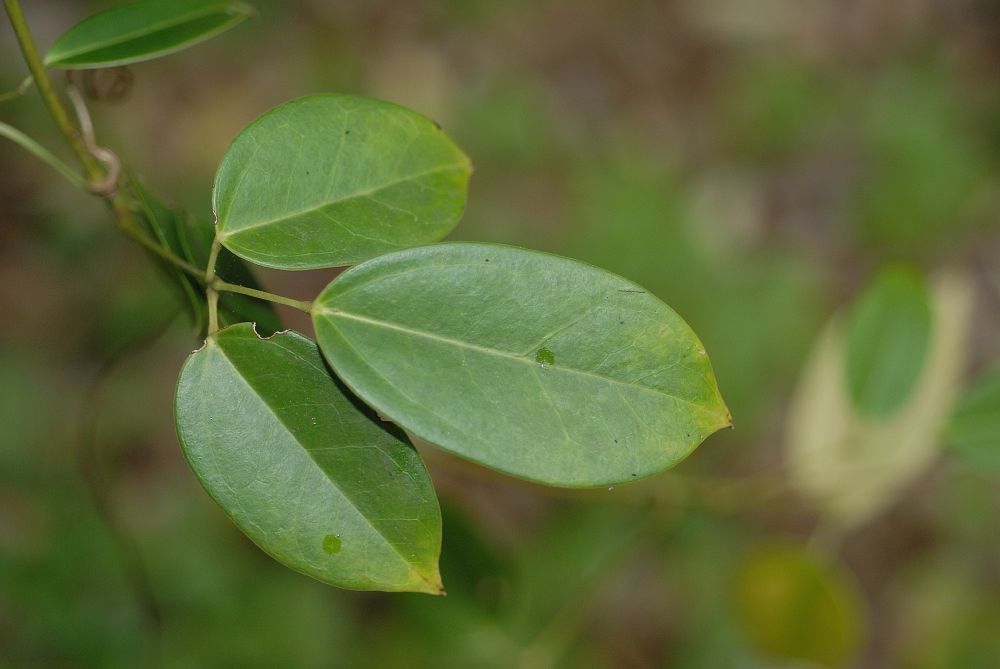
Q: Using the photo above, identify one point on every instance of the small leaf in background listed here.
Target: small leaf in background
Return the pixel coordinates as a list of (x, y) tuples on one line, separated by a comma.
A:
[(164, 225), (791, 605), (538, 366), (332, 180), (888, 333), (974, 431), (853, 466), (196, 236), (191, 239), (305, 470), (138, 31)]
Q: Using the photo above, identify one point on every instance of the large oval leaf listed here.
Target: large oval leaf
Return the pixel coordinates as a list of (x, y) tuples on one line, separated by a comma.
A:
[(539, 366), (334, 179), (303, 468), (888, 333), (139, 31)]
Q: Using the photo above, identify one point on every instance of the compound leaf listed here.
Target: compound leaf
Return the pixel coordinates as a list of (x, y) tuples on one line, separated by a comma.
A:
[(144, 30), (304, 469), (332, 180), (535, 365)]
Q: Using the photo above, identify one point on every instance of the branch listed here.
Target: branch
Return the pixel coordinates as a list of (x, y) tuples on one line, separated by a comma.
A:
[(43, 154)]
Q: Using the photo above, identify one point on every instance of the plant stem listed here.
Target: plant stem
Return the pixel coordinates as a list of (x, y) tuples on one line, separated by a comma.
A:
[(29, 144), (149, 243), (91, 166), (213, 310), (262, 295), (21, 89), (115, 198), (119, 204), (211, 290)]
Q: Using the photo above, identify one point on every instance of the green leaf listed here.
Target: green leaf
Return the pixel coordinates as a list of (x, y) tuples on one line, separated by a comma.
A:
[(888, 334), (191, 239), (791, 605), (144, 30), (850, 465), (974, 430), (332, 180), (535, 365), (305, 470), (196, 236)]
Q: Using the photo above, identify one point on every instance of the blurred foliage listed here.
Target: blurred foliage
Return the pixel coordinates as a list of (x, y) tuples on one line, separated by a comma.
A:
[(753, 164), (795, 606)]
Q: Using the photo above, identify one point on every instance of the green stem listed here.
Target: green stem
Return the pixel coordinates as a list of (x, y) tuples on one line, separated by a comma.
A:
[(21, 89), (43, 154), (91, 166), (211, 290), (153, 246), (119, 204), (213, 310), (117, 200), (213, 257), (262, 295)]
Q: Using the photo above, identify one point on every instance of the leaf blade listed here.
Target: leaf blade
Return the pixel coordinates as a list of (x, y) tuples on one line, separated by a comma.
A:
[(974, 428), (888, 335), (306, 472), (331, 180), (144, 30), (594, 382), (191, 239)]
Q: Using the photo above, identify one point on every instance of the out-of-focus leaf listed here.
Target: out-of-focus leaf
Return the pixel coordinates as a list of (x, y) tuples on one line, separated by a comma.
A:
[(851, 465), (974, 430), (793, 606), (888, 332), (538, 366), (314, 478), (331, 180), (143, 30)]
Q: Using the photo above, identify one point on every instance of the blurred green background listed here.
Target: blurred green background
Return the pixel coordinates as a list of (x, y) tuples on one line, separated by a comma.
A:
[(754, 164)]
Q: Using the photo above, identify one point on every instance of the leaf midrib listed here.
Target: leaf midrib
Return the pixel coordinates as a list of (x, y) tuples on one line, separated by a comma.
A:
[(336, 313), (344, 495), (148, 30), (366, 192)]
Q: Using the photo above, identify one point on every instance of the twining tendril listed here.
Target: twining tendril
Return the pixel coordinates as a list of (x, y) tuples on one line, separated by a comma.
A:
[(107, 186)]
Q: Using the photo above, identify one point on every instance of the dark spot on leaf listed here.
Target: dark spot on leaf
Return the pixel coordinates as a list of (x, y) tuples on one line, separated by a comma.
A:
[(634, 475), (545, 357), (347, 132), (331, 544)]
